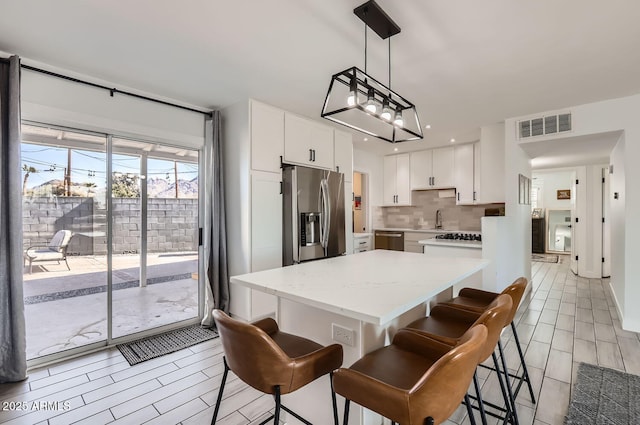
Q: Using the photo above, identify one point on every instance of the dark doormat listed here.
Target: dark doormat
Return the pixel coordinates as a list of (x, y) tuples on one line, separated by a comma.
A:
[(604, 396), (544, 258), (158, 345)]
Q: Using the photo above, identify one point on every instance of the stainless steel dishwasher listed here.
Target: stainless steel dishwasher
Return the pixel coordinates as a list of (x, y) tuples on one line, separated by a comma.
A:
[(391, 240)]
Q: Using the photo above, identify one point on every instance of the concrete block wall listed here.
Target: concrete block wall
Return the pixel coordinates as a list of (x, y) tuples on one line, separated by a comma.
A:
[(172, 224)]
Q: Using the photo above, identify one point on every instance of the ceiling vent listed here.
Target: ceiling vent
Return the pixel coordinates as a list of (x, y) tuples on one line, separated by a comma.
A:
[(550, 124)]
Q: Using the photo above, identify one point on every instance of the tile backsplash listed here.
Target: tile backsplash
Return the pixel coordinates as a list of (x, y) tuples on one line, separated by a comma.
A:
[(422, 215)]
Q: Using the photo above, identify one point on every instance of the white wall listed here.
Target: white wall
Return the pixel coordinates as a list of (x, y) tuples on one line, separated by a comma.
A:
[(617, 212), (52, 100), (552, 182), (589, 119), (372, 165)]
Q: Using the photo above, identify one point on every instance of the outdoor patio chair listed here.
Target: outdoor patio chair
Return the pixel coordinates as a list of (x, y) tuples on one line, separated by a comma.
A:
[(55, 250)]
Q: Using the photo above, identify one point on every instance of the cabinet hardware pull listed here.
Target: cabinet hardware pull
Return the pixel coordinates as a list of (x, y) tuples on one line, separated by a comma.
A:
[(458, 196), (310, 155), (314, 155), (474, 195), (337, 168)]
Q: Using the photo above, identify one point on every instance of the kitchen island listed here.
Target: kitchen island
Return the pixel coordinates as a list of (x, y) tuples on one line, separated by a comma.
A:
[(357, 300)]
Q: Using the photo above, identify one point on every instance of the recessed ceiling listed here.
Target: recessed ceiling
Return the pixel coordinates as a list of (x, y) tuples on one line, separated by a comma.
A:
[(464, 64), (592, 149)]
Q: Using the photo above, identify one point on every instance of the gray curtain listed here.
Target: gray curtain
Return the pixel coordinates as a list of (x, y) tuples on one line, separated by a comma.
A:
[(13, 357), (215, 240)]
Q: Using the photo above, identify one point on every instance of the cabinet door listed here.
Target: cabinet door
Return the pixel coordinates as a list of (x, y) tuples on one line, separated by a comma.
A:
[(266, 221), (297, 140), (403, 179), (421, 168), (343, 152), (389, 174), (464, 174), (322, 145), (266, 235), (443, 168), (307, 143), (267, 137)]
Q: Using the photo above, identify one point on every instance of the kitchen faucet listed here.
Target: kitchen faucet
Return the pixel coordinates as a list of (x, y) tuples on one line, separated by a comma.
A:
[(438, 219)]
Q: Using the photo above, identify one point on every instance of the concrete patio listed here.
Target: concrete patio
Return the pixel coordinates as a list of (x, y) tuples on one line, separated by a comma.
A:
[(68, 308)]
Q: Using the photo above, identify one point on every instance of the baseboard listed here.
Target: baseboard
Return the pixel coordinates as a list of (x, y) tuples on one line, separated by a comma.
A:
[(627, 325)]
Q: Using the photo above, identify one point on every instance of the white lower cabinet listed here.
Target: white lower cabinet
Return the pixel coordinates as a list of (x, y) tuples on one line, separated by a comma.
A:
[(362, 242), (411, 241)]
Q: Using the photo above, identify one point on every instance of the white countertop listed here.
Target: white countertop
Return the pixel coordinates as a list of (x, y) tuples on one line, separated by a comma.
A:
[(451, 242), (374, 286)]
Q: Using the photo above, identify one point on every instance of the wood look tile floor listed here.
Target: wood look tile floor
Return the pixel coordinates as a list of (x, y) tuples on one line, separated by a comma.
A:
[(564, 320)]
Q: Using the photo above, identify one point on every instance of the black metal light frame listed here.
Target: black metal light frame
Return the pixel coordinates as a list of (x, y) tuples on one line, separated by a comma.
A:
[(336, 109)]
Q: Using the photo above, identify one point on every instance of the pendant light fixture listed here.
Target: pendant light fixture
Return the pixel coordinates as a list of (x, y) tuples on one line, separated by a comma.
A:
[(359, 101)]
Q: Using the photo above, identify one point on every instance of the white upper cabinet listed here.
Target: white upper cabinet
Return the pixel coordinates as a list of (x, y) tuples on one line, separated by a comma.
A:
[(397, 189), (343, 151), (464, 174), (443, 168), (432, 169), (307, 142), (267, 137), (421, 169)]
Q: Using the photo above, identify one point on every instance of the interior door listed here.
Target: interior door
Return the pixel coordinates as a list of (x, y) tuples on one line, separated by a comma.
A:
[(574, 223)]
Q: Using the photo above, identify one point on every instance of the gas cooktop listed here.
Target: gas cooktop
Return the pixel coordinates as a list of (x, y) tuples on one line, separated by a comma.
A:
[(460, 236)]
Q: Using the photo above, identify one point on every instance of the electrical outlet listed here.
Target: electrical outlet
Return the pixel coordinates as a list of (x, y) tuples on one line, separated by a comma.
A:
[(343, 335)]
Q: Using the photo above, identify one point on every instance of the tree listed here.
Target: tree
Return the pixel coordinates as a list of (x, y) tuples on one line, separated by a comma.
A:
[(125, 186), (28, 170)]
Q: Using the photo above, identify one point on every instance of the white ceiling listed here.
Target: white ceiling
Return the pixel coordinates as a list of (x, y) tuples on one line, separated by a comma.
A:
[(464, 63)]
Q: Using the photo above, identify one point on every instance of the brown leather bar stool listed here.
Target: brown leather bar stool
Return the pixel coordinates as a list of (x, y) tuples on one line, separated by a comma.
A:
[(449, 324), (415, 380), (273, 362), (477, 300)]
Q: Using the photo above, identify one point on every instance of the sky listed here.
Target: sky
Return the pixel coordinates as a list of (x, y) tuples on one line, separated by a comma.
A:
[(90, 167)]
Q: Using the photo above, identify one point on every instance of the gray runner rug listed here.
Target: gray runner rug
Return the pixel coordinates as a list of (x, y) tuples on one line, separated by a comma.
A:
[(544, 258), (158, 345), (604, 396)]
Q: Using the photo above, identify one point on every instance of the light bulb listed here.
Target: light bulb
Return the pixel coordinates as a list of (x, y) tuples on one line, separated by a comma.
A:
[(386, 111), (398, 119), (351, 99), (371, 106)]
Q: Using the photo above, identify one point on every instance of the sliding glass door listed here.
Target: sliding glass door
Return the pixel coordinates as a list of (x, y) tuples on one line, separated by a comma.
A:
[(130, 265), (154, 237)]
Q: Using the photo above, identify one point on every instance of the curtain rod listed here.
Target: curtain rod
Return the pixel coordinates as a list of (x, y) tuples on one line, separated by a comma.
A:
[(113, 91)]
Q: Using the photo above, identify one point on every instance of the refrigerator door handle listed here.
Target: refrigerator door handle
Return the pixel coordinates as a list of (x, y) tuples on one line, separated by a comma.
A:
[(322, 213), (326, 216)]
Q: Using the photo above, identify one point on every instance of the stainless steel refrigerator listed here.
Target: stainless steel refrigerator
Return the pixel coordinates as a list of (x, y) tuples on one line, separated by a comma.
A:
[(313, 214)]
